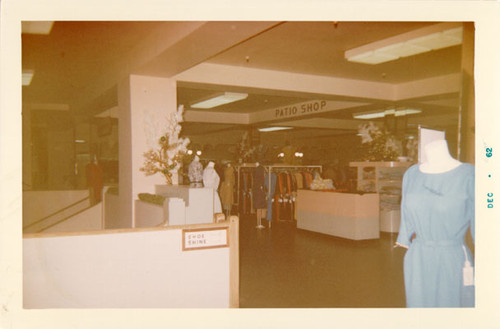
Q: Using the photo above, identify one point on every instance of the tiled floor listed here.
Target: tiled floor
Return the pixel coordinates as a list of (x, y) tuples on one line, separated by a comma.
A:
[(287, 267)]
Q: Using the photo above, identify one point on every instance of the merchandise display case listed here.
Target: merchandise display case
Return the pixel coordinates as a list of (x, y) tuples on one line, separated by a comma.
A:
[(384, 178)]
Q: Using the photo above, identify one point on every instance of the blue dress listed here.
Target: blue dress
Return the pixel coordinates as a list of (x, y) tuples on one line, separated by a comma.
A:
[(438, 209)]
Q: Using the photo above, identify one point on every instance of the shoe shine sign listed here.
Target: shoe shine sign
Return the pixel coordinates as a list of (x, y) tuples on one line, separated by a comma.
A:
[(207, 238)]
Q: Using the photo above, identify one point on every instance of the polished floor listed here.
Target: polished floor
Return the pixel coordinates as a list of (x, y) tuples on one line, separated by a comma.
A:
[(285, 267)]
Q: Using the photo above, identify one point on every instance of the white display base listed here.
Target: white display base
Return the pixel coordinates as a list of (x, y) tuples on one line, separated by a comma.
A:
[(390, 221), (174, 211), (199, 201)]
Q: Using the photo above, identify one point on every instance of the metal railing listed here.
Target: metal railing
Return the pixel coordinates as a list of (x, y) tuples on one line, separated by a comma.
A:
[(45, 218)]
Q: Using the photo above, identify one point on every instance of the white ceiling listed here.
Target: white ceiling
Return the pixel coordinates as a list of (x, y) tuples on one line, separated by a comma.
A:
[(80, 63)]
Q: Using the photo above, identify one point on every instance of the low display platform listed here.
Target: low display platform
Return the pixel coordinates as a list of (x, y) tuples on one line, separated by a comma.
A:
[(346, 215)]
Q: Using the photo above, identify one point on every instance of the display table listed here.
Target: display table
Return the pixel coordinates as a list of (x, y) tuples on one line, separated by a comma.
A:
[(346, 215)]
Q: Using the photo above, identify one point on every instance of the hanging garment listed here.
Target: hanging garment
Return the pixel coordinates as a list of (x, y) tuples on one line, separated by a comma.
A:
[(289, 196), (245, 195), (438, 209), (294, 195), (308, 179), (278, 197), (305, 180), (271, 191), (294, 182), (300, 179), (211, 179), (258, 189), (284, 205), (226, 189)]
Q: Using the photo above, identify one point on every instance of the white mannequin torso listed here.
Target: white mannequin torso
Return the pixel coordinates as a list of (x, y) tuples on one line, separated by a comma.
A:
[(439, 159)]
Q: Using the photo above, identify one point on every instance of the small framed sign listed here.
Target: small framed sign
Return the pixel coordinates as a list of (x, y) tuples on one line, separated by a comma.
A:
[(205, 238)]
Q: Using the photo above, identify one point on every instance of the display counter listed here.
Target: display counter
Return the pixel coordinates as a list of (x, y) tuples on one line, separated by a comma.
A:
[(346, 215)]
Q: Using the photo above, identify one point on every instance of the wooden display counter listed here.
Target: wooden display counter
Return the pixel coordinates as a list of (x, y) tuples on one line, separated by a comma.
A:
[(346, 215)]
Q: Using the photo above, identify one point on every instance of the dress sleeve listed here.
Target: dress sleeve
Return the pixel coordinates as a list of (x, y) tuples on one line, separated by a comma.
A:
[(472, 204), (406, 229)]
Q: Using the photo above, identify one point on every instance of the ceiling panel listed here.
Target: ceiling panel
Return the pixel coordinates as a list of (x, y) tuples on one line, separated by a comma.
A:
[(76, 54)]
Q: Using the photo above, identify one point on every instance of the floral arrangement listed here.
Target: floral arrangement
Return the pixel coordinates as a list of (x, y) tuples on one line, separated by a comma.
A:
[(378, 144), (244, 152), (412, 149), (167, 156)]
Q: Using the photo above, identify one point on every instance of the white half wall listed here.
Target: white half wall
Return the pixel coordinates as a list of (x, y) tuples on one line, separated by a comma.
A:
[(129, 269)]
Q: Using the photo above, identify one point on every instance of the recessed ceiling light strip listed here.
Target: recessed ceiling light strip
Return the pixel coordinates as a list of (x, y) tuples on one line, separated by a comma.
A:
[(419, 41), (219, 100)]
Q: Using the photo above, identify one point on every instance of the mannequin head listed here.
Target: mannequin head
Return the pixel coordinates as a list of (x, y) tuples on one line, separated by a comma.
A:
[(210, 164), (438, 158), (196, 158), (437, 150)]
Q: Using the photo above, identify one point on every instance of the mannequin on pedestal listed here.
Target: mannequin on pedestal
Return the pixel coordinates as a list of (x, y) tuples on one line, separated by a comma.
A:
[(195, 173), (259, 194), (226, 189), (212, 179), (437, 209)]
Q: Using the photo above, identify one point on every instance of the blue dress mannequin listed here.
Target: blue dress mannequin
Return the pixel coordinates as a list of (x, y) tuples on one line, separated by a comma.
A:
[(436, 211)]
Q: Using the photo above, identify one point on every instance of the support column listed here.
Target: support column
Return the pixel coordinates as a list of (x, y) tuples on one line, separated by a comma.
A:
[(467, 116), (144, 103)]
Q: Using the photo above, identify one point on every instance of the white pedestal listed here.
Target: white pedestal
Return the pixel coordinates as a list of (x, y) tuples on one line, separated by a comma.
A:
[(199, 201), (174, 211)]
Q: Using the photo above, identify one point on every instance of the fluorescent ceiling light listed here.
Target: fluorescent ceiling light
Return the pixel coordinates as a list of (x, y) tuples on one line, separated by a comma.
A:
[(381, 114), (273, 129), (36, 27), (374, 115), (27, 77), (218, 100), (406, 112), (415, 42)]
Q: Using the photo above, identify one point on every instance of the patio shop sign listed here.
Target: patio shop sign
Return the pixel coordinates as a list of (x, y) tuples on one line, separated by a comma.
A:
[(299, 109)]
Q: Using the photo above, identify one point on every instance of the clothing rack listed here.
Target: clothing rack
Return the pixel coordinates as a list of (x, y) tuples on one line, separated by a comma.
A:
[(287, 168), (269, 169), (240, 167)]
